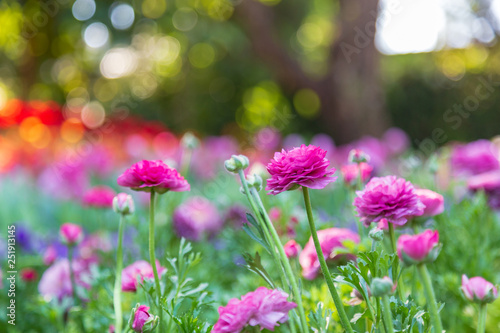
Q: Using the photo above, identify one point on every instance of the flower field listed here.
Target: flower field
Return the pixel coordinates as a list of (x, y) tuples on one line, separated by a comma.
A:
[(131, 228)]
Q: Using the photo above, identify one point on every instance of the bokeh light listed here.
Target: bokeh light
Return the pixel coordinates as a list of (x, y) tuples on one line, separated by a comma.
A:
[(83, 9), (122, 16), (96, 35)]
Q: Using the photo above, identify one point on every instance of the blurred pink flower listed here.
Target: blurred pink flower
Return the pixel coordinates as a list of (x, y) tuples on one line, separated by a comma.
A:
[(302, 166), (396, 140), (93, 244), (263, 307), (414, 249), (433, 202), (351, 172), (71, 234), (292, 248), (474, 158), (137, 272), (153, 175), (487, 181), (50, 255), (141, 317), (195, 218), (99, 197), (477, 289), (208, 159), (330, 240), (56, 282), (388, 197)]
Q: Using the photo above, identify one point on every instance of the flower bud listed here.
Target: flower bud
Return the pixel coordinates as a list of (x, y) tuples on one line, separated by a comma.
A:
[(358, 156), (420, 248), (254, 181), (190, 141), (71, 234), (382, 286), (292, 249), (376, 234), (236, 163), (123, 204), (478, 290), (28, 274), (141, 320)]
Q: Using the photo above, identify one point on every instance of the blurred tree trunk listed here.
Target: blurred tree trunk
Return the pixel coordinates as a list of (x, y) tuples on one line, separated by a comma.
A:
[(352, 101)]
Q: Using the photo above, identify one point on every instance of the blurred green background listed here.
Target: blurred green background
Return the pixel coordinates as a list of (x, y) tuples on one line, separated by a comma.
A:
[(227, 67)]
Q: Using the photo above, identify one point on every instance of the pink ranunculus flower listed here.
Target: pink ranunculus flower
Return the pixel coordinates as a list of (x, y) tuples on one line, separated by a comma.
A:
[(351, 172), (474, 158), (93, 244), (155, 176), (55, 282), (330, 240), (99, 197), (303, 166), (420, 248), (292, 248), (71, 234), (142, 320), (195, 218), (137, 272), (263, 307), (478, 290), (433, 202), (487, 181), (388, 197)]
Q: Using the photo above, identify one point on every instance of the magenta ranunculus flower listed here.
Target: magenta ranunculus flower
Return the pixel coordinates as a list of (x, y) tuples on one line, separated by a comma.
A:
[(388, 197), (292, 248), (433, 202), (351, 172), (420, 248), (330, 240), (263, 307), (137, 272), (141, 321), (71, 234), (99, 196), (478, 290), (474, 158), (195, 218), (155, 176), (302, 166)]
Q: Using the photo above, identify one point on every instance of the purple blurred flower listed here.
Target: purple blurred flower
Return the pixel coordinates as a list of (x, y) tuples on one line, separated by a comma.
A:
[(396, 140), (263, 307), (302, 166), (388, 197), (56, 283), (195, 218), (236, 215), (137, 272), (474, 158), (208, 159)]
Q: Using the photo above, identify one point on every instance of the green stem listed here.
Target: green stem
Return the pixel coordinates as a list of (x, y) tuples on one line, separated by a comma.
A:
[(431, 298), (72, 275), (481, 322), (395, 276), (324, 268), (284, 259), (386, 313), (152, 255), (117, 293)]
